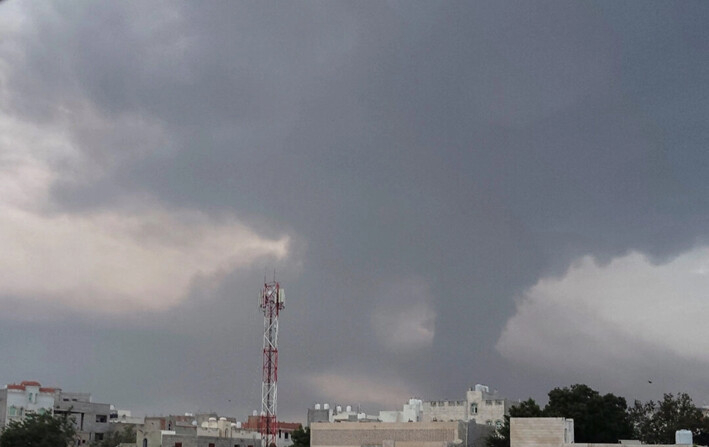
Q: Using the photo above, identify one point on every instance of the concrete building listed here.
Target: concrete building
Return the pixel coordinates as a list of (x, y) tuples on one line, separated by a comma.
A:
[(541, 432), (480, 406), (90, 418), (391, 434)]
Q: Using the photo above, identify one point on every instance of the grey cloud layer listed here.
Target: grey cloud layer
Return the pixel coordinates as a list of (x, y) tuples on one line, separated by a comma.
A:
[(474, 147)]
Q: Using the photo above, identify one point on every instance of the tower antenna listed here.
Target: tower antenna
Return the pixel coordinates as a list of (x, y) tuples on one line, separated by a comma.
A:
[(271, 301)]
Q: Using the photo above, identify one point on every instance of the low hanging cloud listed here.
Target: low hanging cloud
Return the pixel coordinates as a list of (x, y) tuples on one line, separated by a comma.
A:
[(404, 318), (136, 254), (629, 312), (354, 389)]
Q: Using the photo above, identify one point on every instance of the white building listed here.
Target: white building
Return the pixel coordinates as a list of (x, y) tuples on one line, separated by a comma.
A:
[(20, 400), (412, 412)]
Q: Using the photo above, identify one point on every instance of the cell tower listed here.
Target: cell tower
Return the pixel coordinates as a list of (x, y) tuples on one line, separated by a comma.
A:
[(271, 301)]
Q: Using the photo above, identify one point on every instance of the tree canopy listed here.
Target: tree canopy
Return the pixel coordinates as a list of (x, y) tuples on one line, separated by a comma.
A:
[(112, 439), (597, 419), (301, 437), (657, 422), (39, 430), (607, 418)]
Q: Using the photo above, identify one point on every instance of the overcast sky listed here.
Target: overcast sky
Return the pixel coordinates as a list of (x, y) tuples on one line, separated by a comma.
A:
[(452, 193)]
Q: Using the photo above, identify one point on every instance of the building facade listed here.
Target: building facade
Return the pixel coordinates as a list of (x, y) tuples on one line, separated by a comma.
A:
[(392, 434), (479, 406)]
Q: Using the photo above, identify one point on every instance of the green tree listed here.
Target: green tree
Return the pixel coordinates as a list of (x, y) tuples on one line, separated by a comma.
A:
[(597, 419), (301, 437), (501, 436), (39, 430), (657, 422), (112, 439)]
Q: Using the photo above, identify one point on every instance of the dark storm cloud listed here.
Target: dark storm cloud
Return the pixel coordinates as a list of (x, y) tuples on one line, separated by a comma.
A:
[(471, 148)]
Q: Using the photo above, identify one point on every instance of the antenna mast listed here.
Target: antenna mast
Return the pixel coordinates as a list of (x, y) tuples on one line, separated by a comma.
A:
[(271, 301)]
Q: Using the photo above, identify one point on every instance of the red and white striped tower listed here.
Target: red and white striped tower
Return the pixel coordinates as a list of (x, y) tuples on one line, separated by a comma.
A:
[(271, 301)]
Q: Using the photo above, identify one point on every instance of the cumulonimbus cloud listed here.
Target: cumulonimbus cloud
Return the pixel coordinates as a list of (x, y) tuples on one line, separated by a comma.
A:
[(616, 313), (139, 255)]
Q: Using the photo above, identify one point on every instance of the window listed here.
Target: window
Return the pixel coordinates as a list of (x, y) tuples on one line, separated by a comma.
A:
[(145, 442), (211, 444), (178, 444), (433, 404), (498, 424), (488, 402), (488, 422), (101, 418), (473, 408), (98, 437), (13, 411), (286, 435)]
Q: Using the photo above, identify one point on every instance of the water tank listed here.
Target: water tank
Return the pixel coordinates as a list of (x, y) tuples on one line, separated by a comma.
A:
[(238, 424), (349, 408), (255, 413), (338, 409), (317, 406), (212, 419), (361, 416), (683, 437), (326, 407)]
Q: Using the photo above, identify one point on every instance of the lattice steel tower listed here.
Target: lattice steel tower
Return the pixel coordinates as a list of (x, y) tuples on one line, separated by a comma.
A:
[(271, 301)]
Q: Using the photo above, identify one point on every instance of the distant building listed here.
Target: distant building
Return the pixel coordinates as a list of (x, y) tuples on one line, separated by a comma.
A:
[(411, 412), (29, 397), (480, 406), (285, 429), (201, 430), (122, 418)]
